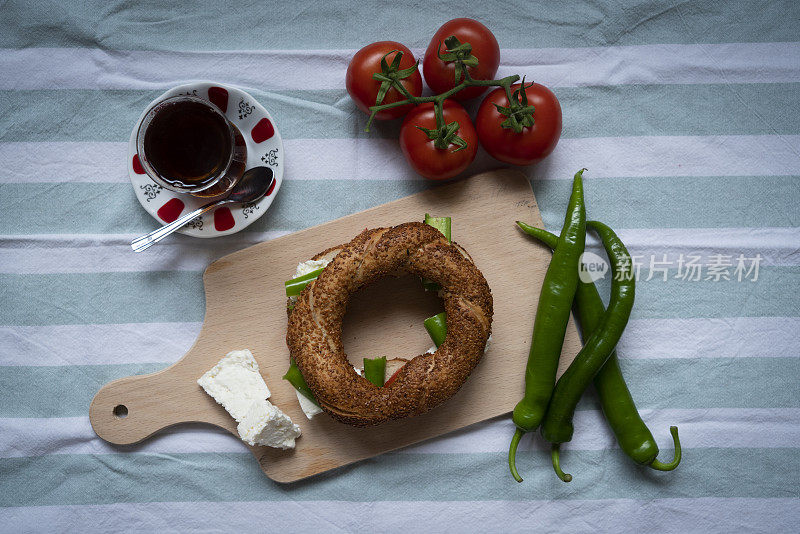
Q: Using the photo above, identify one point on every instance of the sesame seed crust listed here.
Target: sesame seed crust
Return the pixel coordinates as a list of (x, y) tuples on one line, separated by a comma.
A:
[(314, 335)]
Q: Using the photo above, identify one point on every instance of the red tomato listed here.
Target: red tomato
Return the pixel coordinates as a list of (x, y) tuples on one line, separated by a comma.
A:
[(440, 75), (364, 90), (419, 150), (533, 143)]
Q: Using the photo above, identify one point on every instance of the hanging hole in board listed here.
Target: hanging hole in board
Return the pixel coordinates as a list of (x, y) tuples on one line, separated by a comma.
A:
[(120, 411)]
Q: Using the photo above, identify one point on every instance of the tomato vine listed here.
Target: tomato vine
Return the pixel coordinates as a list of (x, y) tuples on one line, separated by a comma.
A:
[(519, 113)]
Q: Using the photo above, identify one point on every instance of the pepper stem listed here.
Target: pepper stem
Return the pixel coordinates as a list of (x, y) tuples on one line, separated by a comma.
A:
[(659, 466), (512, 455), (566, 477)]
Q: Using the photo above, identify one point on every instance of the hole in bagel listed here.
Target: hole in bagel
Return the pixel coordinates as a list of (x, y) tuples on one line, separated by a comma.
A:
[(386, 318)]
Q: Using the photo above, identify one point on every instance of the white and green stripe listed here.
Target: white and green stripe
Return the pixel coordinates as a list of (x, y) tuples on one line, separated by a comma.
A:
[(685, 115)]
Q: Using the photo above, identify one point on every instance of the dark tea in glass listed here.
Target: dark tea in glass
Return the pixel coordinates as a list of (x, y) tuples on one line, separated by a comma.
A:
[(187, 144)]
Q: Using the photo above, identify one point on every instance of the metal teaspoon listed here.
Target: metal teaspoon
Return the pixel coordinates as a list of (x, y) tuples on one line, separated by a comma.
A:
[(253, 185)]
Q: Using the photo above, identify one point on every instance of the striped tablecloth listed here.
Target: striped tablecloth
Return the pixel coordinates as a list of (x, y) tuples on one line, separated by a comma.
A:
[(685, 113)]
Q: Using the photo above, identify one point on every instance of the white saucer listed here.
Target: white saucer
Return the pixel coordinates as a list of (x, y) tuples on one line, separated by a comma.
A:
[(264, 147)]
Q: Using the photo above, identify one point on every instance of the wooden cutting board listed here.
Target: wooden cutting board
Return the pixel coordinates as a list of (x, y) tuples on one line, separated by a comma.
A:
[(245, 309)]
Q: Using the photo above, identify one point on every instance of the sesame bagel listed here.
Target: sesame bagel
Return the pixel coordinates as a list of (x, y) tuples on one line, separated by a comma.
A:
[(314, 333)]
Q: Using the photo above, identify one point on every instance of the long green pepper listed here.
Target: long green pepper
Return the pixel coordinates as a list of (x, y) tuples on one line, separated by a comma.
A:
[(550, 324), (557, 427), (618, 406)]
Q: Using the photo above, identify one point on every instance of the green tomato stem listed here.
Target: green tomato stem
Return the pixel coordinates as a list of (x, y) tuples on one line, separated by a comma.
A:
[(402, 89), (507, 88), (416, 100), (438, 110)]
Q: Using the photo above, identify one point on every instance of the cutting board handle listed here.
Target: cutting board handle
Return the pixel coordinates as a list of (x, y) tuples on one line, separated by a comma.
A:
[(131, 409)]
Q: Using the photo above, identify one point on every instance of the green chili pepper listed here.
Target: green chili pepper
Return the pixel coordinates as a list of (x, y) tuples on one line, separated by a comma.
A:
[(557, 427), (631, 432), (437, 328), (295, 286), (550, 324), (295, 378), (375, 370), (443, 224)]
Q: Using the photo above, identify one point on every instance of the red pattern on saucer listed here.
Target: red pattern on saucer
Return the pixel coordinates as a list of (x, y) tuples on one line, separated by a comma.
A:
[(223, 219), (219, 97), (137, 165), (262, 131), (171, 210)]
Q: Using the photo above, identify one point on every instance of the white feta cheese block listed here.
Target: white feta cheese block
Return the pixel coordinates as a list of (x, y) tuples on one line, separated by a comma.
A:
[(308, 407), (265, 424), (235, 383)]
